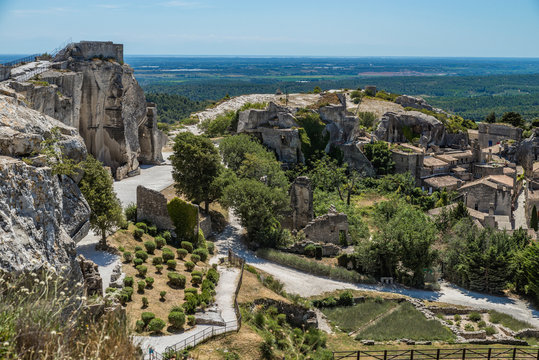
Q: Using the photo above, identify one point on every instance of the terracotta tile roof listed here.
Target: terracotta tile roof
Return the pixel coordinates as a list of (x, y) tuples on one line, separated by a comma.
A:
[(440, 182)]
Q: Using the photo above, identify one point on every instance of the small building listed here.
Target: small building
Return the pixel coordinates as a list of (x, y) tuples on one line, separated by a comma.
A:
[(492, 134), (489, 194), (447, 182), (408, 158), (434, 166)]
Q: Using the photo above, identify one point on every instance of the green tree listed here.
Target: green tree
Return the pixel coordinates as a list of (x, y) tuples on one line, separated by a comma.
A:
[(491, 118), (379, 155), (313, 139), (97, 187), (53, 150), (534, 222), (233, 149), (196, 164), (513, 118), (259, 208), (263, 168)]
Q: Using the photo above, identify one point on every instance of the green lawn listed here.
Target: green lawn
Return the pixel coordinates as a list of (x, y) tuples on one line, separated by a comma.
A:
[(406, 322), (508, 321), (349, 318)]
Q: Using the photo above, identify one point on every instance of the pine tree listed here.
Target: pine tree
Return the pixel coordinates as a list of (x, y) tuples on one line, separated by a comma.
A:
[(97, 188)]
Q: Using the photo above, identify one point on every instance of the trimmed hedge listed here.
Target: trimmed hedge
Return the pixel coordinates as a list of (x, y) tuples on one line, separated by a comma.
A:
[(189, 266), (203, 253), (177, 280), (187, 246), (150, 247), (184, 217), (182, 253), (177, 319), (167, 254), (160, 242)]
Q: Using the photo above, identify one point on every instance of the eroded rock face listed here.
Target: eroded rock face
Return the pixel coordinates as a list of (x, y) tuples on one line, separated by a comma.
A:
[(93, 284), (40, 213), (103, 100), (397, 126), (413, 102)]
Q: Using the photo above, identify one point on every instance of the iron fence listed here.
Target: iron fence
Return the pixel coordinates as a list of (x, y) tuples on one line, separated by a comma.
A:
[(441, 354)]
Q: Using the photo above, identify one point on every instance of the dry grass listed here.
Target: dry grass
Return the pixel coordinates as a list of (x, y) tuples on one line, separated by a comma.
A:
[(252, 289), (173, 297), (245, 343)]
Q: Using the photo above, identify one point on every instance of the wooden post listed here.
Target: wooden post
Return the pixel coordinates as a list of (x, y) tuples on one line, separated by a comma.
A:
[(514, 353), (464, 354), (385, 354), (438, 354), (412, 354), (359, 352), (489, 353)]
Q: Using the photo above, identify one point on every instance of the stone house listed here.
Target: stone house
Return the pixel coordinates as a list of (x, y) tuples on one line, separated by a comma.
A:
[(492, 134), (447, 182), (408, 158), (490, 194)]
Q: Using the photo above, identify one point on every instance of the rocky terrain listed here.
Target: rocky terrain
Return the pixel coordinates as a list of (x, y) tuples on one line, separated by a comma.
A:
[(88, 87), (42, 215)]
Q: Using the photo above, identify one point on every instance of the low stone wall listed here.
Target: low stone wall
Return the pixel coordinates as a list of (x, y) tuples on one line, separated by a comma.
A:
[(453, 310), (327, 249), (205, 224), (534, 333), (152, 207), (481, 334)]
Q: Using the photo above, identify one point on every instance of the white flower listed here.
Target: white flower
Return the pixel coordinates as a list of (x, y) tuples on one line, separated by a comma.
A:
[(53, 332), (83, 298), (33, 274), (63, 268), (62, 293), (6, 343), (42, 282), (106, 337)]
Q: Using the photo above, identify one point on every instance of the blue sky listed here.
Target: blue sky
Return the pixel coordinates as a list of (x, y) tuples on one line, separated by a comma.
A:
[(469, 28)]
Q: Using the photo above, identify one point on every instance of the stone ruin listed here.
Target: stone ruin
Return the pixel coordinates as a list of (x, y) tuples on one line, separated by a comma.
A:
[(301, 200), (329, 228), (89, 88)]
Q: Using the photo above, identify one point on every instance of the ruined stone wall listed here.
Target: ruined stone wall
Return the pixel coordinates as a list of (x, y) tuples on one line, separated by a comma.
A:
[(301, 201), (5, 72), (88, 50), (152, 207), (491, 134), (405, 162), (327, 228)]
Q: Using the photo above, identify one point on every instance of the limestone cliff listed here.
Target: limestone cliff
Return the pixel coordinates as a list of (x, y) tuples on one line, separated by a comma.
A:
[(42, 215), (89, 88)]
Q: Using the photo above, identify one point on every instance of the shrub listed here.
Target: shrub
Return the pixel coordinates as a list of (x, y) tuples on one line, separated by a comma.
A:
[(195, 280), (141, 255), (182, 253), (162, 295), (203, 253), (184, 217), (150, 246), (137, 233), (128, 256), (176, 308), (187, 246), (157, 260), (176, 279), (142, 226), (189, 266), (128, 281), (260, 320), (142, 270), (189, 291), (156, 325), (147, 317), (190, 304), (481, 324), (457, 317), (251, 269), (144, 301), (346, 299), (149, 281), (309, 250), (195, 258), (490, 330), (171, 264), (138, 248), (152, 230), (200, 240), (128, 292), (469, 327), (160, 242), (211, 247), (166, 235), (281, 319), (139, 326), (191, 320), (474, 316), (177, 319), (131, 212), (207, 285), (167, 254), (138, 262), (197, 273), (121, 249), (141, 285), (159, 268)]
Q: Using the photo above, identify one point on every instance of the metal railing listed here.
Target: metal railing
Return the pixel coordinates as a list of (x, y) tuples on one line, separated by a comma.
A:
[(212, 331), (28, 75), (20, 61), (441, 354)]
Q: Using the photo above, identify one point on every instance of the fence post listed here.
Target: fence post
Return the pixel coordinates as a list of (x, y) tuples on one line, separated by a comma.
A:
[(358, 354), (385, 354), (438, 354), (464, 354), (514, 353), (489, 353), (412, 354)]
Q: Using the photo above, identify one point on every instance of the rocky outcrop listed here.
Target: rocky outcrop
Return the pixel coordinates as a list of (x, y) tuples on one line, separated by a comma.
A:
[(40, 213), (99, 96), (93, 283), (408, 125), (413, 102)]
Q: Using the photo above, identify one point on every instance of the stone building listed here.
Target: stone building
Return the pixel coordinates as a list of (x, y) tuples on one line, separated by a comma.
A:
[(329, 228), (492, 134), (408, 158), (490, 194), (301, 201), (152, 207), (447, 182)]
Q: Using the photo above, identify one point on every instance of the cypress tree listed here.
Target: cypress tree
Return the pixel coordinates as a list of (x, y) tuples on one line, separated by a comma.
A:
[(534, 222)]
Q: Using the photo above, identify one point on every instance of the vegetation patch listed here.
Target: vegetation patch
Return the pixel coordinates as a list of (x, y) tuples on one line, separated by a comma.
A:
[(350, 318), (507, 320)]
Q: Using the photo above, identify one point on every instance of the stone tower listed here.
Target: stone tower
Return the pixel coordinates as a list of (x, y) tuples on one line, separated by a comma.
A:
[(301, 202)]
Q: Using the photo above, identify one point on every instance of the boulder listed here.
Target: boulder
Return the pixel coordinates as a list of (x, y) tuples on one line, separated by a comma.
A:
[(413, 102), (403, 126)]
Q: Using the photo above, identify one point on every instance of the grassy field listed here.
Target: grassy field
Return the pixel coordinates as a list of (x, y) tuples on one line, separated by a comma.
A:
[(350, 318), (406, 322), (507, 321)]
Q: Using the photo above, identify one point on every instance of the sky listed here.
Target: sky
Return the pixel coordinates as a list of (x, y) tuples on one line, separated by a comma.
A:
[(435, 28)]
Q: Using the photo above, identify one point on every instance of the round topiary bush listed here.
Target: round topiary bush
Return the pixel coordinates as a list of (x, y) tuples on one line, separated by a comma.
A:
[(150, 246), (142, 226), (195, 280), (195, 258), (157, 260), (176, 280), (160, 242), (128, 281), (167, 236), (212, 275), (159, 268), (171, 264), (167, 254), (144, 302), (152, 230), (141, 255), (182, 253), (142, 270), (139, 326), (177, 308), (177, 319), (211, 247), (138, 262), (189, 291), (187, 246), (147, 317), (137, 233), (197, 273), (162, 295), (156, 325), (128, 256), (202, 253), (149, 281), (138, 248), (189, 266), (141, 285), (191, 320)]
